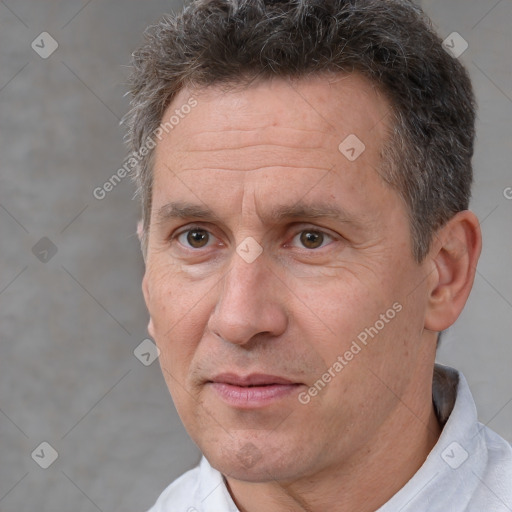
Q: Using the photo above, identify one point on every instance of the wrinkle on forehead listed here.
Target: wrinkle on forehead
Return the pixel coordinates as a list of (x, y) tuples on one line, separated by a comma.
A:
[(271, 128), (305, 106), (267, 134)]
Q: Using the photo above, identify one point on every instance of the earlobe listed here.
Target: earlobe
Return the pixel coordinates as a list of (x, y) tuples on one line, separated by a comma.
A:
[(139, 230), (151, 328), (455, 254), (145, 289), (145, 292)]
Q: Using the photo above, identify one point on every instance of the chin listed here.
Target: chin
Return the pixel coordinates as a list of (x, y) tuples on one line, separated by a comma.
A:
[(251, 462)]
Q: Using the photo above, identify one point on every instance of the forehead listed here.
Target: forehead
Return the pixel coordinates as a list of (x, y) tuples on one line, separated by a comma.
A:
[(297, 132), (317, 111)]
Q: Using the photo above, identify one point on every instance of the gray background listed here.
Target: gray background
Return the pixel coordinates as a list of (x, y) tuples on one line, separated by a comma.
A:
[(68, 327)]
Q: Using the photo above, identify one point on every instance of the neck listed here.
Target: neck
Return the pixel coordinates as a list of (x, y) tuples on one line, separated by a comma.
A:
[(367, 480)]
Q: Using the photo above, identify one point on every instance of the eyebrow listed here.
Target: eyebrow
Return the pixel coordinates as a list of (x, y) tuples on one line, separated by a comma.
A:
[(300, 210), (179, 210)]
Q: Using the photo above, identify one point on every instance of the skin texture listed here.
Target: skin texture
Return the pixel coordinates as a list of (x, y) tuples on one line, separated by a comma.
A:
[(242, 155)]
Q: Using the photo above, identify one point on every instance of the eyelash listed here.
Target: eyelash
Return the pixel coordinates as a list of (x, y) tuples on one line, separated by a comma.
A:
[(298, 233), (318, 231), (193, 228)]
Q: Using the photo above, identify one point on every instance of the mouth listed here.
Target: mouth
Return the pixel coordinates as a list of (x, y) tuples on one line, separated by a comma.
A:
[(252, 391)]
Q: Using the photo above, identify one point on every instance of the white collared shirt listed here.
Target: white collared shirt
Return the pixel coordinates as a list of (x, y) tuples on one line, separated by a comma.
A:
[(468, 470)]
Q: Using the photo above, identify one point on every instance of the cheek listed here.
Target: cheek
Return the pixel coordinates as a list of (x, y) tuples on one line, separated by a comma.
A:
[(356, 329), (171, 298), (362, 322), (342, 307), (179, 314)]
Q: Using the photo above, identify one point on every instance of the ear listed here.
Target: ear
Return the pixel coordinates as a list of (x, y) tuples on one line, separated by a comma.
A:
[(454, 255), (139, 230), (142, 241), (147, 300)]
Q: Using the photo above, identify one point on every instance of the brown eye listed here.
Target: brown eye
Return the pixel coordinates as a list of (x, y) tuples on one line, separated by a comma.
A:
[(197, 238), (311, 239)]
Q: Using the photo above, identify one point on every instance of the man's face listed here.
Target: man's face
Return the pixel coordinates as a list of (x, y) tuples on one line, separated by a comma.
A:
[(272, 251)]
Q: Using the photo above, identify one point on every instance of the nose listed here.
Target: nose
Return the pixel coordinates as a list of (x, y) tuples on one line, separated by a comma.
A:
[(250, 303)]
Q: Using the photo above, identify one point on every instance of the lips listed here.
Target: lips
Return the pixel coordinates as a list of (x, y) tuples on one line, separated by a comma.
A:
[(256, 379), (252, 391)]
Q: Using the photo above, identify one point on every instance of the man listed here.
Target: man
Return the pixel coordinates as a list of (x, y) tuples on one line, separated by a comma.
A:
[(305, 173)]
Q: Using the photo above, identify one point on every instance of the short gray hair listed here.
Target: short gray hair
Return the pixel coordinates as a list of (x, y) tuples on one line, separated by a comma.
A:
[(427, 157)]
